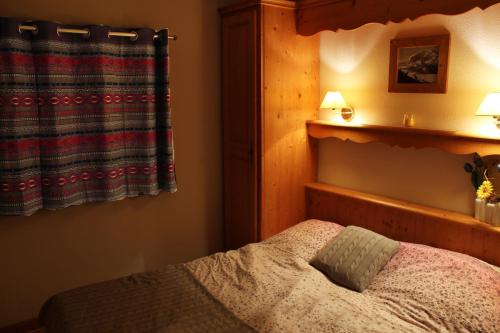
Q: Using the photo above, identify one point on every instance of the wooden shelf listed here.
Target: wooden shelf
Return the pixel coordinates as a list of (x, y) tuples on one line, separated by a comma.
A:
[(454, 142)]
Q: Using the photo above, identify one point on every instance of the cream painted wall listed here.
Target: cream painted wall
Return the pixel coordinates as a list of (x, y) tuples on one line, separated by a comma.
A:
[(357, 64), (53, 251)]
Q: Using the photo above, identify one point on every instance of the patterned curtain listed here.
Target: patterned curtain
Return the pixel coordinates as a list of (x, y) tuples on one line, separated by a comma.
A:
[(83, 118)]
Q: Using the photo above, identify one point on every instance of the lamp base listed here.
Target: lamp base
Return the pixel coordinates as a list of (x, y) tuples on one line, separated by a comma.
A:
[(347, 114)]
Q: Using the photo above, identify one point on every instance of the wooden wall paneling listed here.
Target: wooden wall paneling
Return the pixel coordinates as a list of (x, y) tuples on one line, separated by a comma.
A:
[(283, 157), (251, 4), (290, 97), (317, 15), (404, 221), (240, 104)]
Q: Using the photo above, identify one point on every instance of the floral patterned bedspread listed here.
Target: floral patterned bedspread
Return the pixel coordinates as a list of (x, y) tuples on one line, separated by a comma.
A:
[(272, 288)]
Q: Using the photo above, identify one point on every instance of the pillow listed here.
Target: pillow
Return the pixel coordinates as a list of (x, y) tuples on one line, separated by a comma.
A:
[(354, 257)]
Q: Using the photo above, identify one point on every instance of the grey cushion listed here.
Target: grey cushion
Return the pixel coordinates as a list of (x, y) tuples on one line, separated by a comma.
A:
[(354, 257)]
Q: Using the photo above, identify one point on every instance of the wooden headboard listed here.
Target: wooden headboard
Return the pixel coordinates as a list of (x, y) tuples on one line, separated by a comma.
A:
[(404, 221)]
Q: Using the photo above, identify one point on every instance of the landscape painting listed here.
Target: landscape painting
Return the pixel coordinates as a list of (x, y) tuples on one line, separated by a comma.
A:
[(419, 65)]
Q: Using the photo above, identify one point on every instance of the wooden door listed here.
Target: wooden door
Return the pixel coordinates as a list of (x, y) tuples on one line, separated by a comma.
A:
[(240, 109)]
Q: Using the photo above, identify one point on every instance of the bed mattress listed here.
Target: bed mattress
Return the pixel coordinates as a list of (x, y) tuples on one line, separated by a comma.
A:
[(270, 287)]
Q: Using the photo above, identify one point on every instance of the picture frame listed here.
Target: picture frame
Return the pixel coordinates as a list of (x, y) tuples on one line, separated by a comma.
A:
[(419, 64)]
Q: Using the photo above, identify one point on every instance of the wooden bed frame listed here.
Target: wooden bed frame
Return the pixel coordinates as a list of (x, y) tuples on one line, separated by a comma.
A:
[(404, 221)]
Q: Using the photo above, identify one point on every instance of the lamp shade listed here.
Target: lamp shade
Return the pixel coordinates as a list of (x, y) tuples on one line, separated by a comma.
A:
[(333, 100), (490, 105)]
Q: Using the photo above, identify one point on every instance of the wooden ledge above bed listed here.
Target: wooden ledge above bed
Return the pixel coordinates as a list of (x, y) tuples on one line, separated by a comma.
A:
[(453, 142), (404, 221)]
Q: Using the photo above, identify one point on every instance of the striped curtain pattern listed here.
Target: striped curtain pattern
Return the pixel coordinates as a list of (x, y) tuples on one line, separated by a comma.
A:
[(83, 118)]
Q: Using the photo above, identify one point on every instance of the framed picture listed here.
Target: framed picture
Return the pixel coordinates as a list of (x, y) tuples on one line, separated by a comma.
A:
[(419, 65)]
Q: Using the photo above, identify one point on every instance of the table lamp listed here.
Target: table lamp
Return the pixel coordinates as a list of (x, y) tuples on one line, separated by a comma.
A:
[(335, 101), (490, 107)]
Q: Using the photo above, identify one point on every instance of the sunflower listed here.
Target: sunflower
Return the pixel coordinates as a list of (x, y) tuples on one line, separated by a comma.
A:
[(485, 190)]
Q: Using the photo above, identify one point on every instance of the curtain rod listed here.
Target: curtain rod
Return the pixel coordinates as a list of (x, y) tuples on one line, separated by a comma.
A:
[(131, 34)]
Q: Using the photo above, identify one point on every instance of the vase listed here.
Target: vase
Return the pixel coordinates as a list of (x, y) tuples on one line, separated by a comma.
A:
[(480, 209), (496, 216), (489, 213)]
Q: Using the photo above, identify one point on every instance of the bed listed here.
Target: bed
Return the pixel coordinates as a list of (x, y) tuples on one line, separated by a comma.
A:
[(271, 287)]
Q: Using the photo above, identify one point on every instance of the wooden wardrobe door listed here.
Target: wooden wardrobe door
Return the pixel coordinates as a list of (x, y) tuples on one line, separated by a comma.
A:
[(240, 109)]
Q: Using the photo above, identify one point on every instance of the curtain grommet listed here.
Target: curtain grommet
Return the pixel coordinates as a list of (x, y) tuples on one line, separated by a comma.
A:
[(33, 29), (86, 35), (135, 36)]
